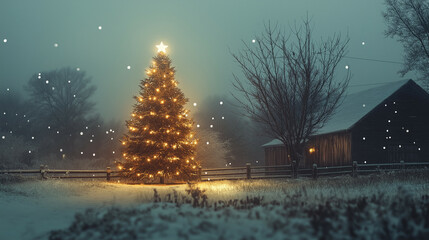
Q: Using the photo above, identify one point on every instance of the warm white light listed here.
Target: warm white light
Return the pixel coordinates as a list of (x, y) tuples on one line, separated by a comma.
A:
[(211, 125), (7, 89), (161, 47), (81, 153), (100, 27), (208, 143), (221, 103), (253, 40), (47, 82), (347, 67), (29, 151), (363, 43), (93, 154), (223, 118), (128, 67), (55, 44), (195, 104), (81, 133), (5, 40), (198, 125), (363, 138), (32, 138), (363, 105), (3, 137), (61, 150), (78, 69)]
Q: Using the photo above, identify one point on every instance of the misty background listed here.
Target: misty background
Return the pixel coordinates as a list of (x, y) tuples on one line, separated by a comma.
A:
[(113, 43)]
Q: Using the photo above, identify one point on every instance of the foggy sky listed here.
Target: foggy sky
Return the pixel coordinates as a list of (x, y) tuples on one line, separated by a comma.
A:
[(200, 35)]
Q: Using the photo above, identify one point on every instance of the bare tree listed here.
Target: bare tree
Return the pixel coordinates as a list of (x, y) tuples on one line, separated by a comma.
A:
[(408, 20), (61, 103), (290, 85)]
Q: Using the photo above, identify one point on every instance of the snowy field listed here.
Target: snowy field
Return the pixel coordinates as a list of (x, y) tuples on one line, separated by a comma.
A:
[(387, 206)]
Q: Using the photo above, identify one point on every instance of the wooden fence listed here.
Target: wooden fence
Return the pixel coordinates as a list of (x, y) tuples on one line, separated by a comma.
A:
[(291, 171), (233, 173)]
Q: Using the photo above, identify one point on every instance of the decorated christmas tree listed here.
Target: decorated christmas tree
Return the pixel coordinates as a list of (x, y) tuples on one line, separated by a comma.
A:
[(160, 142)]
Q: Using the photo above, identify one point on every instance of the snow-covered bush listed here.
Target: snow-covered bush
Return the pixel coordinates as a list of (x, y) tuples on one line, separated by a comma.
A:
[(399, 216), (212, 151)]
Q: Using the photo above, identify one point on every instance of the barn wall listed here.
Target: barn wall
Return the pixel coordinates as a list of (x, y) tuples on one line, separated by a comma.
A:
[(398, 129), (330, 150), (275, 155)]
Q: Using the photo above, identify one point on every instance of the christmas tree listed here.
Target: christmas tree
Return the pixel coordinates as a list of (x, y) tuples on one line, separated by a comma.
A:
[(160, 142)]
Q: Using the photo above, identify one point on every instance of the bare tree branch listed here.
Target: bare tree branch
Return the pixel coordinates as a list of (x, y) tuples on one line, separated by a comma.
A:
[(289, 83)]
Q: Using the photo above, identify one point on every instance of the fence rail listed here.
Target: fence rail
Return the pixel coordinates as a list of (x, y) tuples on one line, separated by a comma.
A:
[(234, 173)]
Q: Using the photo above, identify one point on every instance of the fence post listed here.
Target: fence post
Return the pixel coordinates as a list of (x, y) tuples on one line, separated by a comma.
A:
[(108, 172), (43, 171), (248, 173), (294, 170), (314, 171), (354, 169), (200, 170), (402, 165)]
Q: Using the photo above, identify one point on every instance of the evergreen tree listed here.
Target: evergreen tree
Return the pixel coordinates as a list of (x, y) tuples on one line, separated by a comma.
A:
[(160, 141)]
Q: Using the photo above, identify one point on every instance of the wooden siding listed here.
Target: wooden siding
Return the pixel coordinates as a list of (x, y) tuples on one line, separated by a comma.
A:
[(397, 130), (276, 155), (330, 150)]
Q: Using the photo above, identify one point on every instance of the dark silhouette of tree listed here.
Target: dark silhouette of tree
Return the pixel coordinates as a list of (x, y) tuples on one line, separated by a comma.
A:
[(222, 114), (60, 101), (408, 20), (289, 84)]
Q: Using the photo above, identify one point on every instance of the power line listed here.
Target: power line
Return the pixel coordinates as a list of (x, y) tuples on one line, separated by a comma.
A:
[(373, 60)]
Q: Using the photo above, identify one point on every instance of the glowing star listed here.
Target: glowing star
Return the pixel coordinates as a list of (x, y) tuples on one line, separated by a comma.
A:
[(55, 44), (161, 47), (100, 27), (363, 43), (128, 67), (5, 40)]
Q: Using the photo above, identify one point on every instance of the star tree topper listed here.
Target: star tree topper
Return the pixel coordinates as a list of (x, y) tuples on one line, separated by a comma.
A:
[(161, 47)]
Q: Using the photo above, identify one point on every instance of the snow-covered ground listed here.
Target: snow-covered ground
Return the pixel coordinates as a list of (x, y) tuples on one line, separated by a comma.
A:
[(274, 209)]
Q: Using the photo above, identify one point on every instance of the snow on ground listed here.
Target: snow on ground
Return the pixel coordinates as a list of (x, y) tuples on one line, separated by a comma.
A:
[(31, 209)]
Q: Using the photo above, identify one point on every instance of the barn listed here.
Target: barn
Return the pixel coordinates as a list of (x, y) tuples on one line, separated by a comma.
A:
[(385, 124)]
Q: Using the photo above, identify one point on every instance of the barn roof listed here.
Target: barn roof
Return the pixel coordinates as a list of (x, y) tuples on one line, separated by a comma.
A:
[(354, 107)]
